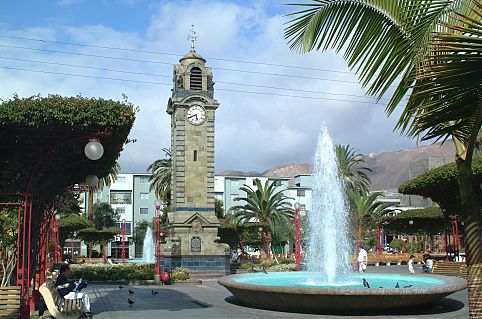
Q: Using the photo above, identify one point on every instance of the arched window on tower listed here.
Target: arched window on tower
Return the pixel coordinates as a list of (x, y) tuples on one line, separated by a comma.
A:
[(196, 79)]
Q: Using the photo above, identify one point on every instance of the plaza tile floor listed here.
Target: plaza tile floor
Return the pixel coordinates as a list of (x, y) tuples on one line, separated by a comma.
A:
[(210, 300)]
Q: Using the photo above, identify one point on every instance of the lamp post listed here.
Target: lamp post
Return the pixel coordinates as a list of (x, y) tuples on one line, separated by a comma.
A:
[(123, 241), (157, 266), (55, 248), (410, 222), (404, 239), (297, 236), (455, 236)]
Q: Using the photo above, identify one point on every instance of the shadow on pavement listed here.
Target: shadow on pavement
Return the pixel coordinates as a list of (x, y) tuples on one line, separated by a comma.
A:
[(444, 305), (111, 298)]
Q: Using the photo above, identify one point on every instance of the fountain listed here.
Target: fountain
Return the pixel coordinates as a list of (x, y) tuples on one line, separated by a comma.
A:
[(328, 285), (148, 249)]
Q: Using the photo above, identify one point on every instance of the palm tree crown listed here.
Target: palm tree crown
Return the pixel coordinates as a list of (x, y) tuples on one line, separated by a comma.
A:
[(161, 174), (263, 204), (365, 209), (353, 173)]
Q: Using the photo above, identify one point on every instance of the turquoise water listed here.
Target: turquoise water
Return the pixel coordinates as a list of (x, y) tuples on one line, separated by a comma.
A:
[(313, 280)]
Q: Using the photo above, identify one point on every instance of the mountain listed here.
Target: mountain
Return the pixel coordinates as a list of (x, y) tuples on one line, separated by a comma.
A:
[(239, 173), (389, 169)]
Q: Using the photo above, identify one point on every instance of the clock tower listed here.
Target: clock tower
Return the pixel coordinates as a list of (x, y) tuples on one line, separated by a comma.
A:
[(193, 239)]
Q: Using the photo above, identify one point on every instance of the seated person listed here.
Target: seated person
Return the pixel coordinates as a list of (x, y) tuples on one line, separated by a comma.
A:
[(427, 264), (66, 290)]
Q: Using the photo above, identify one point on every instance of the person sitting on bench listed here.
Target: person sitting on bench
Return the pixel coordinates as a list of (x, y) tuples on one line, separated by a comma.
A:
[(70, 290)]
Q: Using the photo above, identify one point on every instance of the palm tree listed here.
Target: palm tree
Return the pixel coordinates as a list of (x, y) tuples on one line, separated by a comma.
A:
[(354, 175), (265, 205), (365, 209), (161, 174), (430, 46)]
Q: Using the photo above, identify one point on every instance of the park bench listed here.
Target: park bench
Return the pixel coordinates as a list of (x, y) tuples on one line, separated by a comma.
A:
[(450, 268), (59, 307), (9, 302)]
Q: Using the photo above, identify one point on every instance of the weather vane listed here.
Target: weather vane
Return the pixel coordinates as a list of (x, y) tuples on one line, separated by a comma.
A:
[(192, 36)]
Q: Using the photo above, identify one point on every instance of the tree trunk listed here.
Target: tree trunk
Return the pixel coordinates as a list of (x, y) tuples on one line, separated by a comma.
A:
[(90, 207), (473, 246)]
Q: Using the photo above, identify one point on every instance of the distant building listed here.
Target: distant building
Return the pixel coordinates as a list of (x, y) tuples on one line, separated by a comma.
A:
[(414, 169)]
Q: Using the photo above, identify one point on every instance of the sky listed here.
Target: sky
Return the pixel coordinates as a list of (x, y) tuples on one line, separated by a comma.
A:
[(273, 100)]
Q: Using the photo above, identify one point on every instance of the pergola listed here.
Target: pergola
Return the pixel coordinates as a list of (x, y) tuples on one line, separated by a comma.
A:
[(42, 141), (440, 185)]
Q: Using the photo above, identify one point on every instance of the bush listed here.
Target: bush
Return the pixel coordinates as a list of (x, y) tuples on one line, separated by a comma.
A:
[(247, 266), (396, 244), (118, 272), (180, 273)]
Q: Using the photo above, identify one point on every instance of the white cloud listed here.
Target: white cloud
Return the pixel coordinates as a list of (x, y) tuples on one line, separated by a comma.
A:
[(254, 132)]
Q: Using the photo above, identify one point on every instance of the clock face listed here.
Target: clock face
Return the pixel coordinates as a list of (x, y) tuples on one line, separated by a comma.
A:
[(196, 115)]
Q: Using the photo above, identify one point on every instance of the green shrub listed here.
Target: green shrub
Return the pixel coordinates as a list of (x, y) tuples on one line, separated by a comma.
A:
[(118, 272), (396, 244), (282, 267), (247, 266), (180, 273)]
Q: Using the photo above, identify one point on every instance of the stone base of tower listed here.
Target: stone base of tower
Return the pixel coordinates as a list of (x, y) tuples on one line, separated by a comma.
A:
[(200, 266), (194, 244)]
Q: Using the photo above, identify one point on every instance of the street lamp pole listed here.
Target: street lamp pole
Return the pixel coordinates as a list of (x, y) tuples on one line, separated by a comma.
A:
[(123, 241), (157, 266), (297, 236)]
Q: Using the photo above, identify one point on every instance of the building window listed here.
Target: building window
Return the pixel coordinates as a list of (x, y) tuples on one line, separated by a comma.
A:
[(300, 192), (196, 79), (144, 210), (128, 227), (303, 207), (195, 156), (235, 183), (144, 195), (120, 197), (277, 183), (120, 210), (121, 179), (144, 180)]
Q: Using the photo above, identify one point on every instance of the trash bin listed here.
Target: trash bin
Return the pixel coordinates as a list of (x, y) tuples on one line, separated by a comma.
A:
[(166, 275)]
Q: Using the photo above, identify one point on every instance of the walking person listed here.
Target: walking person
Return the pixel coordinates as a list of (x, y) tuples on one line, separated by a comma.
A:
[(410, 264), (362, 260)]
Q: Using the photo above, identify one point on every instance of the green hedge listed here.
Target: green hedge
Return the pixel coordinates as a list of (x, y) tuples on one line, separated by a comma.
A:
[(119, 272)]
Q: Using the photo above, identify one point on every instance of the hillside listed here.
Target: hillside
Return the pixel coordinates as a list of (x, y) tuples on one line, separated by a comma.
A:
[(390, 169)]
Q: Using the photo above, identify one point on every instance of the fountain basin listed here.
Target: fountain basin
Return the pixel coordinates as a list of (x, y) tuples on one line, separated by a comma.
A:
[(296, 291)]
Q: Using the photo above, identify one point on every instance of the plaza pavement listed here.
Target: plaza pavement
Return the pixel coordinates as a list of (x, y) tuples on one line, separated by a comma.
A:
[(210, 300)]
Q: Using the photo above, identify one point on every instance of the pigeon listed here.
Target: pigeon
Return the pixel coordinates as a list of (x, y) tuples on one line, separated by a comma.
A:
[(120, 287), (130, 301), (365, 283), (407, 286), (397, 286), (131, 292), (154, 292)]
